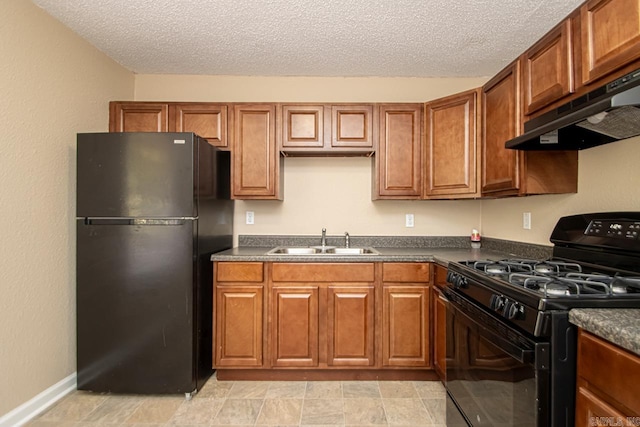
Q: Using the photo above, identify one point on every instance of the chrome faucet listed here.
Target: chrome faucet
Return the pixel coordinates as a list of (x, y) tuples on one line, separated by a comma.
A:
[(323, 240), (346, 240)]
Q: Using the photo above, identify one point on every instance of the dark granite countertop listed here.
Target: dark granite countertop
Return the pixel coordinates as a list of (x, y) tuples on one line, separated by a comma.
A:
[(391, 249), (620, 326)]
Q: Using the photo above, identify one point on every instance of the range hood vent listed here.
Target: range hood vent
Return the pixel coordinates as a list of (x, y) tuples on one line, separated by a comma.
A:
[(607, 114)]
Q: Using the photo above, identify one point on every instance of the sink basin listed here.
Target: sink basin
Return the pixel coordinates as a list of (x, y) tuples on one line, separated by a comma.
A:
[(353, 251), (292, 251), (321, 251)]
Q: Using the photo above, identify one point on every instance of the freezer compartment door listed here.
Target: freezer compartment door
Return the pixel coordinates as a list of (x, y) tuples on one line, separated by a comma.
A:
[(137, 174), (135, 306)]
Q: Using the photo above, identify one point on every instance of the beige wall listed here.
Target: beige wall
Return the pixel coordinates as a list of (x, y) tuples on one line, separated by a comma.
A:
[(53, 85), (608, 180)]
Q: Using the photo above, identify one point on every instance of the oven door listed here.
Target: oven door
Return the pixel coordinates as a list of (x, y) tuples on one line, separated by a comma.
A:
[(495, 375)]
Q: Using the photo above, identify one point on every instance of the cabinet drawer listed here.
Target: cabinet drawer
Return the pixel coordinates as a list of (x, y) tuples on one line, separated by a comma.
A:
[(608, 368), (323, 272), (240, 272), (406, 272)]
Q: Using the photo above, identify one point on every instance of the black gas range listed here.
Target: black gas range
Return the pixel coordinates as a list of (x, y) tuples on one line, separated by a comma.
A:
[(509, 320)]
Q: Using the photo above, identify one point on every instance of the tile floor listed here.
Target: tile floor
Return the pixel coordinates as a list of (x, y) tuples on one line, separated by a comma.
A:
[(260, 403)]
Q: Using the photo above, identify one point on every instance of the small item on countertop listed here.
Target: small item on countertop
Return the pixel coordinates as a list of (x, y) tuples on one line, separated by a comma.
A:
[(475, 239)]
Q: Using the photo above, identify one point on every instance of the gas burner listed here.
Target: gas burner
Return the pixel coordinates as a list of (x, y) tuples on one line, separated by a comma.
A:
[(555, 289), (625, 285), (496, 268)]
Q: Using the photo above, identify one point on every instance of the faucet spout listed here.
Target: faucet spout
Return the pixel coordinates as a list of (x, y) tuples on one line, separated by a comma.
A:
[(323, 240), (346, 240)]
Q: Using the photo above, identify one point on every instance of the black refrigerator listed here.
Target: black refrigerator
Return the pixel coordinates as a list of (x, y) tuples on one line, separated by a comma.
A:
[(151, 209)]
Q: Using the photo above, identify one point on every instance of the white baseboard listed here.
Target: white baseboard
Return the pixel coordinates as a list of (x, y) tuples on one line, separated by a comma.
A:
[(30, 409)]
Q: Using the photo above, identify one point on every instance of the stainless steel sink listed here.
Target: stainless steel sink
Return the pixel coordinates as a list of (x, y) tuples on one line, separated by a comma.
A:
[(292, 251), (321, 251), (354, 251)]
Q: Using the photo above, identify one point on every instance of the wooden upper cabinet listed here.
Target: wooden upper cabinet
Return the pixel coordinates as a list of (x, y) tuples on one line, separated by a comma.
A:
[(206, 120), (138, 117), (352, 126), (302, 126), (327, 129), (548, 69), (398, 172), (452, 146), (255, 171), (610, 36), (501, 121)]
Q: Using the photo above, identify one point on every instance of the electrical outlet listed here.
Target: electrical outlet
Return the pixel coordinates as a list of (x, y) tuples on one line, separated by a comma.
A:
[(408, 220), (250, 217), (526, 220)]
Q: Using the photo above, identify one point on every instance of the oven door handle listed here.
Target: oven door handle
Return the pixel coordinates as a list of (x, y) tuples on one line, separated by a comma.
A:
[(522, 355)]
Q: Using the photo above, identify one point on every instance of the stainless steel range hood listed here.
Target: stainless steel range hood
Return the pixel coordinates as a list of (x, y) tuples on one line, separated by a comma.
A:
[(607, 114)]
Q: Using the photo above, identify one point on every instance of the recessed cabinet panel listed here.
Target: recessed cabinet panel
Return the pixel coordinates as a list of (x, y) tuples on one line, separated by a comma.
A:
[(238, 326), (548, 69), (405, 336), (451, 128), (206, 120), (399, 170), (294, 333), (352, 126), (303, 126), (610, 36), (350, 326), (255, 169), (138, 117), (500, 123)]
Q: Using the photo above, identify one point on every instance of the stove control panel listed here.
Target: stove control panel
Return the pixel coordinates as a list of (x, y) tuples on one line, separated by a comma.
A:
[(614, 229)]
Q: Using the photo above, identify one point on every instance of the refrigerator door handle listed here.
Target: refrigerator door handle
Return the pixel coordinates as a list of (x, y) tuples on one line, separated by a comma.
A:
[(134, 221)]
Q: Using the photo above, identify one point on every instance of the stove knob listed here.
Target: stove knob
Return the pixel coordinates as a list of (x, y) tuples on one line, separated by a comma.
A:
[(497, 302), (450, 277), (461, 282), (511, 310)]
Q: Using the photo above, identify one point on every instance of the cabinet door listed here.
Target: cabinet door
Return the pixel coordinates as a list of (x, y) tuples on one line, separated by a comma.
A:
[(405, 325), (610, 36), (439, 333), (592, 411), (451, 127), (350, 327), (206, 120), (138, 117), (239, 322), (256, 169), (352, 126), (294, 326), (398, 159), (302, 126), (501, 122), (548, 69)]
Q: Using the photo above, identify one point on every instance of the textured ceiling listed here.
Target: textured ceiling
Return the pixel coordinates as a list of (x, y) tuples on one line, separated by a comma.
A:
[(408, 38)]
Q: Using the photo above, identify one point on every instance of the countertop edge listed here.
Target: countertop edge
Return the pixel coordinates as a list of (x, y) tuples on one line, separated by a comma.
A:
[(620, 326)]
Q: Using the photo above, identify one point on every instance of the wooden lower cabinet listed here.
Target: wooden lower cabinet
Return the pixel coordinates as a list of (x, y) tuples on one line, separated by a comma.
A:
[(350, 325), (405, 336), (294, 326), (607, 384), (339, 319), (405, 315), (238, 314), (239, 326)]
